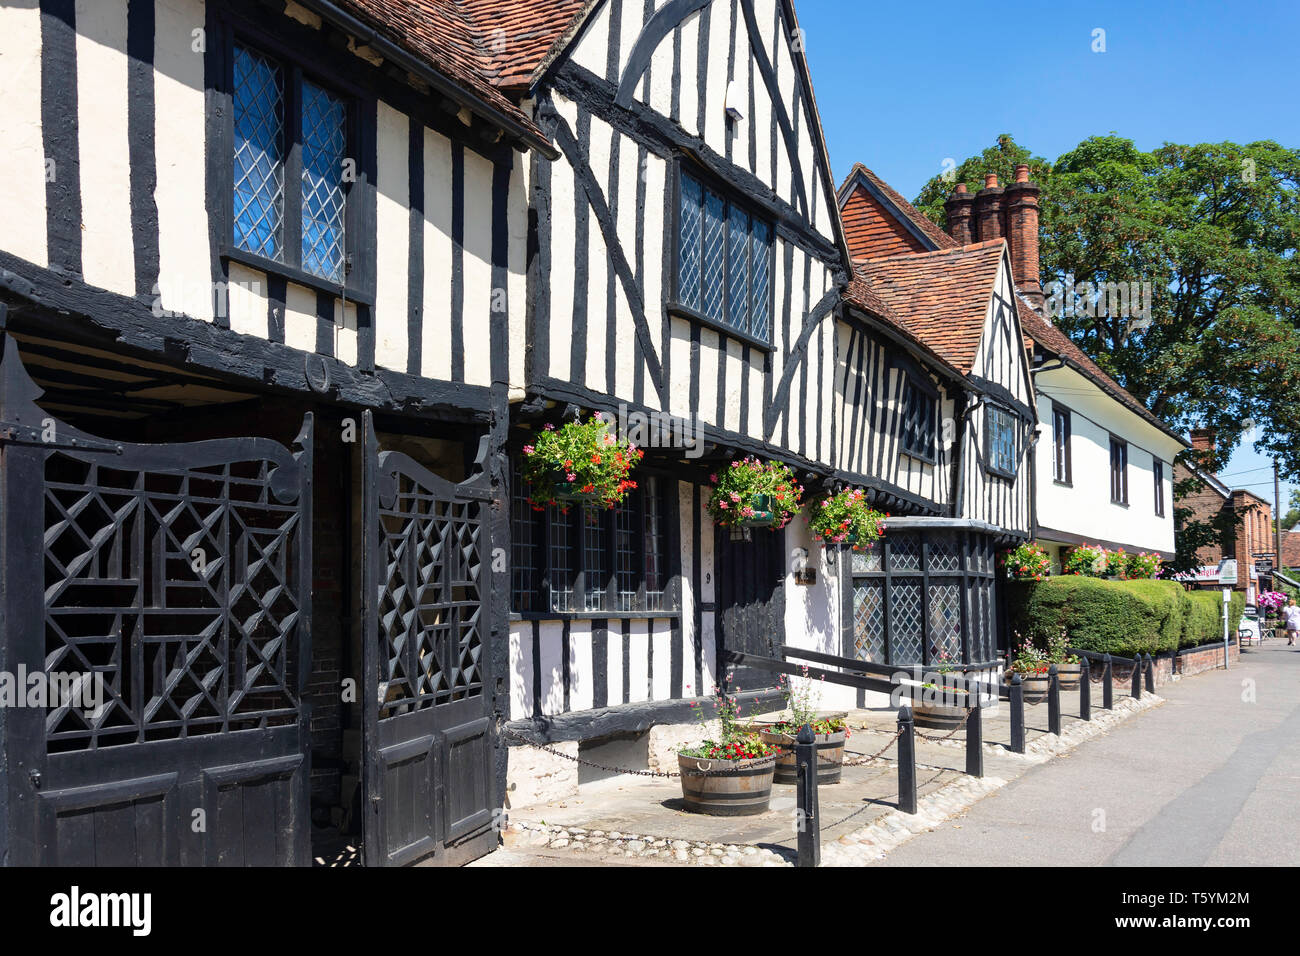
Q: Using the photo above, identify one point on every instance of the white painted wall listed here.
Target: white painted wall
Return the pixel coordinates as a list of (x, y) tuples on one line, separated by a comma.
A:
[(1085, 509)]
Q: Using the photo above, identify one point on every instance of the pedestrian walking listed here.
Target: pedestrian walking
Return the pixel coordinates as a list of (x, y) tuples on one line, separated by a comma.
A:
[(1291, 619)]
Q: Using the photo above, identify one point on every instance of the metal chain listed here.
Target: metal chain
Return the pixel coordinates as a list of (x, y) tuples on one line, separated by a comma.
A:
[(587, 763), (861, 758), (933, 739)]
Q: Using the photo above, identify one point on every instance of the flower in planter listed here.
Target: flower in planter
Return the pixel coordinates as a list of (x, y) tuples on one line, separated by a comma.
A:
[(750, 491), (846, 517), (580, 459), (735, 742), (1145, 565), (1028, 660), (1027, 562), (1085, 560)]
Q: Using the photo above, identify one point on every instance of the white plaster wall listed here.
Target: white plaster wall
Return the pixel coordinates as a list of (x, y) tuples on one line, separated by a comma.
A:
[(478, 269), (1085, 508), (392, 237), (107, 250), (22, 187), (184, 260), (435, 351)]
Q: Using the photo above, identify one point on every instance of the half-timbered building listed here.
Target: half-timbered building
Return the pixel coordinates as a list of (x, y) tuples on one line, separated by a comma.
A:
[(261, 268), (284, 290)]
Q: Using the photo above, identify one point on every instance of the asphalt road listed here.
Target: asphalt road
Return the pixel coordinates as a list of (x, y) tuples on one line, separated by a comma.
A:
[(1211, 777)]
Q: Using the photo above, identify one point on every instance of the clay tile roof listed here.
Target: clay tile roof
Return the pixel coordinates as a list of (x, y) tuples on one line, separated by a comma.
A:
[(520, 34), (941, 298), (485, 46), (1041, 330), (902, 207), (440, 33)]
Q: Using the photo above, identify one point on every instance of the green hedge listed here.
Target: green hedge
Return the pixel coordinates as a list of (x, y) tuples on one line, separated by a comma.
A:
[(1124, 618)]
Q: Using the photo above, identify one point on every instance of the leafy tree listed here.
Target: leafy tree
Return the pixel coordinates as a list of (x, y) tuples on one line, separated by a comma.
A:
[(1213, 228), (1292, 515)]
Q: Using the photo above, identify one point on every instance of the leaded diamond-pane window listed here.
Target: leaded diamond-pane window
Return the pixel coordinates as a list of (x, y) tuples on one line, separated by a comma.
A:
[(1000, 441), (918, 597), (724, 254), (324, 144), (289, 204), (258, 102)]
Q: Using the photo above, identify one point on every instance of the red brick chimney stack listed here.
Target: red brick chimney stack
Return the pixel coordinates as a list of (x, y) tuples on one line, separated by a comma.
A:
[(1204, 440), (1021, 202), (959, 208), (988, 209)]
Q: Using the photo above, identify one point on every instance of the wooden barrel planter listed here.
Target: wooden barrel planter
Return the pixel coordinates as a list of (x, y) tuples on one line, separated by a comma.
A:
[(1068, 675), (939, 716), (1035, 688), (727, 788), (830, 755)]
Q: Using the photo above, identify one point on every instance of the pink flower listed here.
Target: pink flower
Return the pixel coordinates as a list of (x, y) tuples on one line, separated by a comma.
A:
[(528, 449), (549, 427), (571, 476)]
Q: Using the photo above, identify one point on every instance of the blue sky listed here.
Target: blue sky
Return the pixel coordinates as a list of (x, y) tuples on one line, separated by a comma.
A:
[(903, 86)]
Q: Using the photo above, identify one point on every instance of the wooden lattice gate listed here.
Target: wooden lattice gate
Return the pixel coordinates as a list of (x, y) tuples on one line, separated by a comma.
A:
[(162, 595), (428, 730)]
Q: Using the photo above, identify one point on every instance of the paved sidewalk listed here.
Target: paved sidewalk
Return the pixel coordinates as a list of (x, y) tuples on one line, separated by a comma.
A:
[(634, 820), (1212, 777)]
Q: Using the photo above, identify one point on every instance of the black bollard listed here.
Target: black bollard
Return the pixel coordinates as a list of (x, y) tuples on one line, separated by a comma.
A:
[(1151, 675), (805, 757), (1053, 701), (1107, 685), (906, 761), (975, 731), (1085, 689), (1136, 690), (1017, 715)]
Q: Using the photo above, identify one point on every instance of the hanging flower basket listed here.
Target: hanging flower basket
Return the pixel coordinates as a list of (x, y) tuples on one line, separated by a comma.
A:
[(580, 461), (755, 494), (846, 518)]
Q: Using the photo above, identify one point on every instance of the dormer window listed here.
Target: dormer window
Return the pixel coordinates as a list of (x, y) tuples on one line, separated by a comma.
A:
[(918, 421), (1000, 443)]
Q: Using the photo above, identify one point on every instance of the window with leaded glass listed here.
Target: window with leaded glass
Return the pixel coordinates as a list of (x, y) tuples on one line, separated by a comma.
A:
[(289, 204), (590, 559), (724, 252), (1000, 441), (1158, 474), (921, 597), (918, 421)]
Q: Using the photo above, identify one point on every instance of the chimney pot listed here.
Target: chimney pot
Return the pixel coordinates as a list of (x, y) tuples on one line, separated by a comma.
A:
[(990, 180), (1021, 210), (960, 206)]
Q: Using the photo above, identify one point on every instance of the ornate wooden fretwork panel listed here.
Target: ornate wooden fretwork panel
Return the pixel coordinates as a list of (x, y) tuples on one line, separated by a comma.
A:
[(161, 596)]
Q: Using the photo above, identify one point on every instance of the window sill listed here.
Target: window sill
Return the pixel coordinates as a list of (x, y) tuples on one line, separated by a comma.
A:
[(999, 473), (296, 276), (918, 457), (685, 312), (1062, 484), (1119, 504), (592, 615)]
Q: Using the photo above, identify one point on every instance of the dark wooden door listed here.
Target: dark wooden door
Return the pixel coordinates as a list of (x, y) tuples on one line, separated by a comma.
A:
[(751, 600), (428, 728), (161, 594)]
